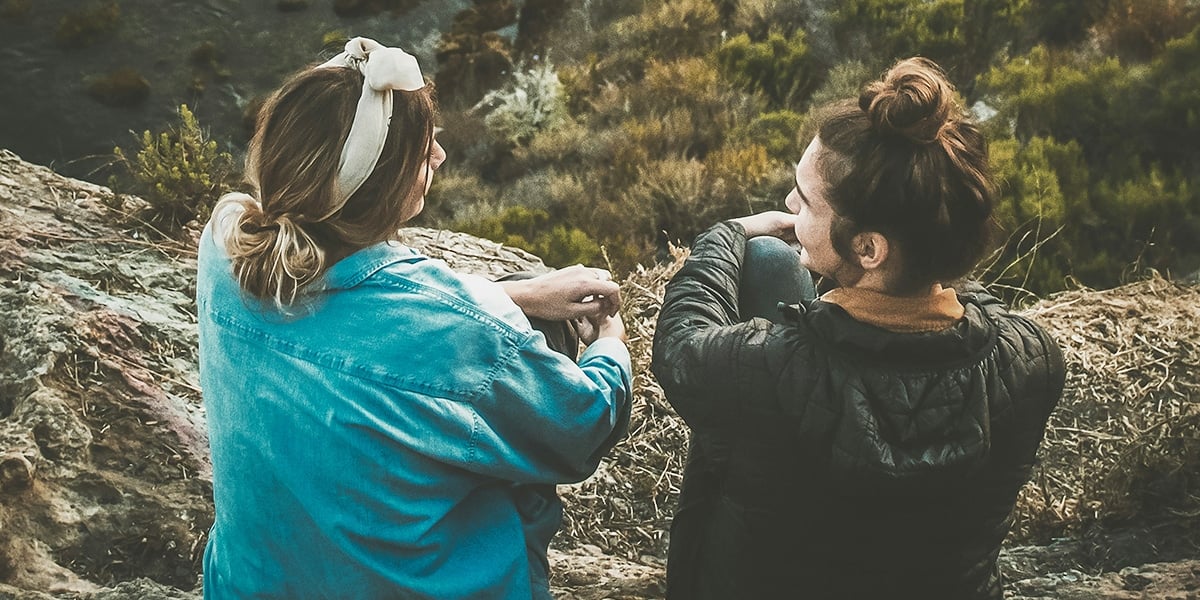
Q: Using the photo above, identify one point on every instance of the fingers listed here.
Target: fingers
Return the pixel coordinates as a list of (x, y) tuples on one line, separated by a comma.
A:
[(594, 307), (595, 287), (589, 284), (585, 330)]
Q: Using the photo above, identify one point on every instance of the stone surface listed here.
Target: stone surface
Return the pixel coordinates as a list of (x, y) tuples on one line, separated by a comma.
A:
[(105, 484)]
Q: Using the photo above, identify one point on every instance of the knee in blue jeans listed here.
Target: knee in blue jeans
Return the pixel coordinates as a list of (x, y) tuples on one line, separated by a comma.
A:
[(771, 252)]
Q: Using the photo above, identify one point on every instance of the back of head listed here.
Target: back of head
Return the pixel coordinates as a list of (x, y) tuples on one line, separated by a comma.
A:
[(904, 160), (300, 223)]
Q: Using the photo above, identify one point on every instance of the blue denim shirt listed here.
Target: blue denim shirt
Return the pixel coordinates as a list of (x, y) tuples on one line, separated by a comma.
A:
[(400, 438)]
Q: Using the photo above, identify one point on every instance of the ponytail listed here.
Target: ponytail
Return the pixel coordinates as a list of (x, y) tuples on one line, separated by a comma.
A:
[(272, 258)]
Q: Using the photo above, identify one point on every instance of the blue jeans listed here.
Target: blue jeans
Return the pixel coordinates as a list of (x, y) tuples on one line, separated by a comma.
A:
[(771, 275)]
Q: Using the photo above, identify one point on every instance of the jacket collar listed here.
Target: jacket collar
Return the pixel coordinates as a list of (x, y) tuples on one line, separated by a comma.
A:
[(357, 267), (935, 312)]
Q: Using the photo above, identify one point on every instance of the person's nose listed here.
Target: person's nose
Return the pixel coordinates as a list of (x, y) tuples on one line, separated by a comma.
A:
[(438, 156)]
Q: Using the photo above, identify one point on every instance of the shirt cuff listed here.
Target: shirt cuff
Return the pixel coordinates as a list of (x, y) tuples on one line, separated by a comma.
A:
[(612, 348)]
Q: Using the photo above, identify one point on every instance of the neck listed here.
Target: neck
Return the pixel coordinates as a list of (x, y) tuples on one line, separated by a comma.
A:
[(881, 281)]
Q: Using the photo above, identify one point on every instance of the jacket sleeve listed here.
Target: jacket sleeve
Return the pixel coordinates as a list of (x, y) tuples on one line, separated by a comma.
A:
[(710, 365), (545, 419)]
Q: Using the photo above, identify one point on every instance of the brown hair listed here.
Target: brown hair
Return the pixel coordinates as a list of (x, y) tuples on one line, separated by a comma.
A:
[(905, 161), (291, 236)]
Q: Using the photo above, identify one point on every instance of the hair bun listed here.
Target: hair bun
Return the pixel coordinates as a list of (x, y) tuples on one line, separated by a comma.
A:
[(913, 100), (253, 221)]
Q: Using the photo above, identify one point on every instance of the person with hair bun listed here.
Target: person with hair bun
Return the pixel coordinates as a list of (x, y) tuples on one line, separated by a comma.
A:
[(868, 442), (380, 426)]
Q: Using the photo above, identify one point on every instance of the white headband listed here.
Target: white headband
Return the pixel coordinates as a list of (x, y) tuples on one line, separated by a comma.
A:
[(384, 69)]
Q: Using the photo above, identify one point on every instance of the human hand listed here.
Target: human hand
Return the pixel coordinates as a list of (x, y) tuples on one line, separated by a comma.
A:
[(590, 329), (568, 293), (772, 222)]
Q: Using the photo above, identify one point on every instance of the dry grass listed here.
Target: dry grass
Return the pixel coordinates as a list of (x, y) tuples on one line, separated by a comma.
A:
[(1125, 440), (1123, 444), (626, 508)]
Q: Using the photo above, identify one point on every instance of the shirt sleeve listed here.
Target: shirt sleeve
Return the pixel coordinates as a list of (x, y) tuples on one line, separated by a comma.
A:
[(708, 363), (546, 419)]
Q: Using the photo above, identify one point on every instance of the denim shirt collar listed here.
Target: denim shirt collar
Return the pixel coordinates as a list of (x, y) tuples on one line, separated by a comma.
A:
[(357, 267)]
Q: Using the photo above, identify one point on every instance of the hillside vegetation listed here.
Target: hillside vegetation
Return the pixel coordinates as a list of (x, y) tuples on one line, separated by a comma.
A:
[(628, 124)]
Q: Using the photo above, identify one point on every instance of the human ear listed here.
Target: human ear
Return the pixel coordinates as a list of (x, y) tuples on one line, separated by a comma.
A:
[(871, 249)]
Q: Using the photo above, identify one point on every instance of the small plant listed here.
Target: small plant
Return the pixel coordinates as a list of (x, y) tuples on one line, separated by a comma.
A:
[(178, 172), (533, 101), (123, 87), (87, 25)]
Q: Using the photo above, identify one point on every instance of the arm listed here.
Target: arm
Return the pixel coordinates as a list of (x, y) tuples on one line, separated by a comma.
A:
[(708, 363), (546, 419)]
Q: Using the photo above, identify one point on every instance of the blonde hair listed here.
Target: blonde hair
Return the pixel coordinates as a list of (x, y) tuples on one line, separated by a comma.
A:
[(284, 242)]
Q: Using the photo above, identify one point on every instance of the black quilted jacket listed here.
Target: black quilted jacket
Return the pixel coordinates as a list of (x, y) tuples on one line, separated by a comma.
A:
[(834, 459)]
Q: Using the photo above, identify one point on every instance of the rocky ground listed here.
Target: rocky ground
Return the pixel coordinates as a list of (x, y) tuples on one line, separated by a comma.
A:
[(104, 479)]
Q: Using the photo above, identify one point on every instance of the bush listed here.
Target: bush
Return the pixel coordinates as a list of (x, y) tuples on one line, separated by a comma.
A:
[(178, 172), (1050, 94), (1140, 29), (1063, 22), (845, 80), (781, 133), (123, 87), (533, 230), (664, 31), (1043, 211), (453, 194), (778, 67), (534, 100), (760, 17), (87, 25), (892, 29)]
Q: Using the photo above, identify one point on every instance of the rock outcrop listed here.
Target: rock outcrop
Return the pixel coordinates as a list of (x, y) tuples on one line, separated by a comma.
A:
[(105, 484)]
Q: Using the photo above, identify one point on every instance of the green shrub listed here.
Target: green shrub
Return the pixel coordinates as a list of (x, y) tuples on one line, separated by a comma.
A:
[(453, 194), (1063, 22), (532, 229), (671, 28), (780, 133), (778, 67), (1042, 210), (665, 30), (844, 80), (178, 172), (760, 17), (1050, 94), (892, 29)]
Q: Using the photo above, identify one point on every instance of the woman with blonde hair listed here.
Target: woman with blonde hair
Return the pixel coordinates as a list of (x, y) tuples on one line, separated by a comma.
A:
[(868, 442), (380, 426)]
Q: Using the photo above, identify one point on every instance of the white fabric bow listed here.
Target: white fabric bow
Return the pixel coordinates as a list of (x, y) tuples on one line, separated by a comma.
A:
[(384, 69)]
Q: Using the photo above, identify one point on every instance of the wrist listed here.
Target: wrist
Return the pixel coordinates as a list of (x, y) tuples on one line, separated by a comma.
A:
[(517, 290)]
